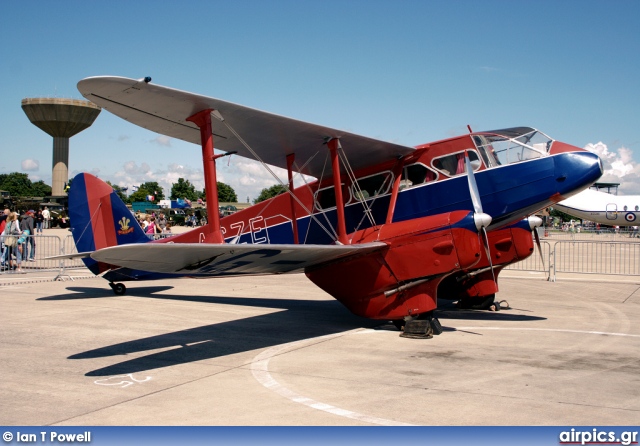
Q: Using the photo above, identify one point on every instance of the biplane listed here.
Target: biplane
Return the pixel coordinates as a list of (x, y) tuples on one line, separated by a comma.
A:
[(386, 229)]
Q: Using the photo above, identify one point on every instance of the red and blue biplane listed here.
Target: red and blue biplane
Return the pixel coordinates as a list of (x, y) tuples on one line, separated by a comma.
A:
[(386, 229)]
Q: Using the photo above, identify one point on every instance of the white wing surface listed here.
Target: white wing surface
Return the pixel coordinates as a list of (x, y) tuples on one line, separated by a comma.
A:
[(226, 259), (165, 110)]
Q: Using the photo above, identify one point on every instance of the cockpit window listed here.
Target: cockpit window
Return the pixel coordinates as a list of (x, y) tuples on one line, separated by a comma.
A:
[(372, 186), (416, 174), (326, 198), (453, 164), (510, 146)]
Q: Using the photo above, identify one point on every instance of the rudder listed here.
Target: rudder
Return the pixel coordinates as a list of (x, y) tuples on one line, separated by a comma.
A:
[(99, 218)]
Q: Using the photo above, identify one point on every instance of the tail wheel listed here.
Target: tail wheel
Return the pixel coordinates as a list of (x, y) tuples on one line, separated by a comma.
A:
[(118, 288)]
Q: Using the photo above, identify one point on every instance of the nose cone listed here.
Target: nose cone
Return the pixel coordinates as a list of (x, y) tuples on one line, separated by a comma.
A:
[(575, 168)]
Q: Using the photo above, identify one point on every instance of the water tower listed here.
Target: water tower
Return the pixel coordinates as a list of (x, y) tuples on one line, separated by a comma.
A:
[(60, 118)]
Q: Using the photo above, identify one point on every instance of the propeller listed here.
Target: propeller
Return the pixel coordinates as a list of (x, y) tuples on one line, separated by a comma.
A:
[(534, 224), (481, 219)]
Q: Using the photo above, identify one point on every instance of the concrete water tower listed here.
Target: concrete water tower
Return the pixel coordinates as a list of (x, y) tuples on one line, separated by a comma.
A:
[(60, 118)]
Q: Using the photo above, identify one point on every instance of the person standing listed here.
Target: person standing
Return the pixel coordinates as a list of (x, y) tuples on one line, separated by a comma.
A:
[(161, 221), (47, 216), (39, 221), (3, 256), (12, 232), (150, 230), (29, 246)]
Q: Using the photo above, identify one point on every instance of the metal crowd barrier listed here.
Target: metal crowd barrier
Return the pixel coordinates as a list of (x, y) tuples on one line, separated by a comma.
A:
[(586, 257), (607, 254), (44, 246)]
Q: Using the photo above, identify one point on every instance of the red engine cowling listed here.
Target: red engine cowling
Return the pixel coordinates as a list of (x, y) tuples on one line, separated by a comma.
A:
[(402, 279)]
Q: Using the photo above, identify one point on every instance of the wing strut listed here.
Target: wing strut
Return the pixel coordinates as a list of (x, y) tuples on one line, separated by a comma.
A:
[(334, 145), (294, 220), (203, 120)]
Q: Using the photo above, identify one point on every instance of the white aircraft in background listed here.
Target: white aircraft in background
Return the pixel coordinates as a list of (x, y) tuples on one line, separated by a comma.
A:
[(603, 208)]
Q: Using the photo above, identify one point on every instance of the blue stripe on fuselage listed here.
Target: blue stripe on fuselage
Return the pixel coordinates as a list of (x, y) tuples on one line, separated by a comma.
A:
[(508, 193)]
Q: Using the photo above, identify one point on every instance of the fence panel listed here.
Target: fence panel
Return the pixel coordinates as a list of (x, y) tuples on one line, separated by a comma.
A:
[(38, 247), (597, 257)]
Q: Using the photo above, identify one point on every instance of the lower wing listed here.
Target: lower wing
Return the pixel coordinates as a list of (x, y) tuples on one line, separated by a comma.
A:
[(225, 259)]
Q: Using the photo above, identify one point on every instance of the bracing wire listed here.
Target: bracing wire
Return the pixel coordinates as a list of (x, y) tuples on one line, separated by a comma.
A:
[(266, 166), (352, 177)]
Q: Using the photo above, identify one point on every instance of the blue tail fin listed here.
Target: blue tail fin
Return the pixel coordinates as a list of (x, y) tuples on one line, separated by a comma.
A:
[(99, 218)]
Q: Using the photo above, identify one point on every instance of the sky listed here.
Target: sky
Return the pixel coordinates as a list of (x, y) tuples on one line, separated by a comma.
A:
[(404, 71)]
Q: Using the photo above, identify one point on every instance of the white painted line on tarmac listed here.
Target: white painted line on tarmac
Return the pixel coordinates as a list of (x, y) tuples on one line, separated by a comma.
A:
[(557, 330), (260, 371)]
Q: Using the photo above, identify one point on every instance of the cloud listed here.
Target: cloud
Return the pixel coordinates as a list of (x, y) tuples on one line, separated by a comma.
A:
[(162, 140), (132, 168), (246, 177), (619, 167), (30, 165)]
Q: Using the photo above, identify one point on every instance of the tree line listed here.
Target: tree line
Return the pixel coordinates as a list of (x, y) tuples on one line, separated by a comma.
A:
[(19, 185), (183, 189)]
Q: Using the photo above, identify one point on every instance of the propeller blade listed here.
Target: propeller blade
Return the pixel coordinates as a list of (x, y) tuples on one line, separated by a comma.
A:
[(534, 224), (537, 237), (481, 219), (473, 186), (485, 240)]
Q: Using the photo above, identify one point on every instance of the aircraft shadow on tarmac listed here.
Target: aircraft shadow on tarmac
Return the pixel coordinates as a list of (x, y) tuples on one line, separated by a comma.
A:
[(301, 319), (99, 293)]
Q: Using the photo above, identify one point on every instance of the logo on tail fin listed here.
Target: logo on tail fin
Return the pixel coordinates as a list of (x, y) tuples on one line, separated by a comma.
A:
[(124, 226)]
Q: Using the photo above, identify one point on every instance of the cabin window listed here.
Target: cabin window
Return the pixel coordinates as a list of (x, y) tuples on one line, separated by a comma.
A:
[(372, 186), (499, 150), (326, 198), (415, 174), (453, 164), (625, 208), (637, 207)]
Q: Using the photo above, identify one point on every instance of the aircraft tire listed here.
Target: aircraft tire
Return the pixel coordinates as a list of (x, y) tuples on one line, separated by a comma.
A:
[(118, 288)]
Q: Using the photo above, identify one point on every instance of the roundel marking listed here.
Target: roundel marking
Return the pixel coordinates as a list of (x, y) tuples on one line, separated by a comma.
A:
[(630, 217)]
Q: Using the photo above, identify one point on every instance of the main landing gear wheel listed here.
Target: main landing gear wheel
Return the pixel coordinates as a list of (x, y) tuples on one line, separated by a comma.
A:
[(118, 288)]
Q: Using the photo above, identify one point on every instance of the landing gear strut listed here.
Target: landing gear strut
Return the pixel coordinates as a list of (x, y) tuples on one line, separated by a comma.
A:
[(118, 288), (423, 326)]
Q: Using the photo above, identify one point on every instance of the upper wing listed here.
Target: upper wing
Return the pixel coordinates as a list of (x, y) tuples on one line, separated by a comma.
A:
[(272, 137), (225, 259)]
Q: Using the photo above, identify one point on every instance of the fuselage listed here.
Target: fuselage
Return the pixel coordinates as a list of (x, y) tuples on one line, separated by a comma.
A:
[(518, 172), (603, 208)]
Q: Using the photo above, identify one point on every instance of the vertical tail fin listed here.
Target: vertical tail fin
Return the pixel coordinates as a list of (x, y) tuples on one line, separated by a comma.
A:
[(99, 218)]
